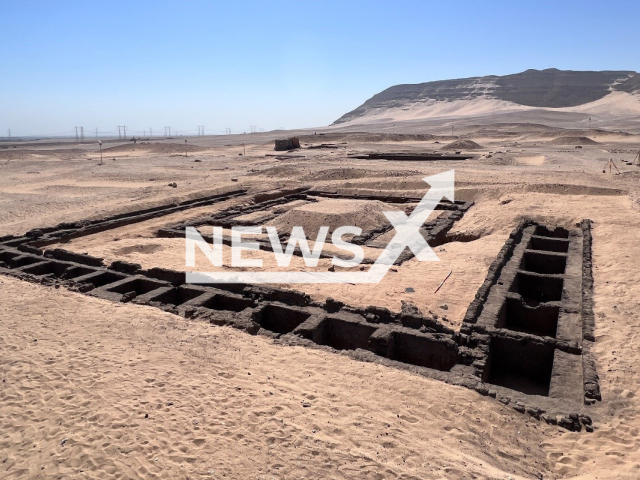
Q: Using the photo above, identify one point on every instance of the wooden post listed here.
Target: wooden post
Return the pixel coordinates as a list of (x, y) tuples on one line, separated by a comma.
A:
[(442, 282)]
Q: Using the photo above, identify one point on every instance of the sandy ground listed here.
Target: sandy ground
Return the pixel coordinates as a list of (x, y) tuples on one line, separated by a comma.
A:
[(79, 374)]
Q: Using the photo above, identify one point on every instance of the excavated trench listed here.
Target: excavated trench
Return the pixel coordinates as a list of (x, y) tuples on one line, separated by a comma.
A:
[(525, 340), (532, 318)]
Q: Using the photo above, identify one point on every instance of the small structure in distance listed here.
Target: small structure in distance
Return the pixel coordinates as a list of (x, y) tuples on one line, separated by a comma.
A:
[(287, 144)]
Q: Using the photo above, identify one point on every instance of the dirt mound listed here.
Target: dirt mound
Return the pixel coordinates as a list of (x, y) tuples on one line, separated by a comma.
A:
[(334, 213), (573, 141), (462, 145), (363, 137), (155, 148), (355, 173), (565, 132), (279, 171)]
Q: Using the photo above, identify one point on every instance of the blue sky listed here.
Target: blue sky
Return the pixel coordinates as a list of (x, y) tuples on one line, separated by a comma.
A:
[(275, 64)]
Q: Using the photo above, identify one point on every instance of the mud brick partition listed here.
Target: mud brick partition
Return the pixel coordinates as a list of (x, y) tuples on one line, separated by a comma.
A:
[(41, 237), (525, 340), (533, 318)]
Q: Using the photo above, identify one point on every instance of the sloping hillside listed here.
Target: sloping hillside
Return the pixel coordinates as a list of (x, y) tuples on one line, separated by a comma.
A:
[(550, 88)]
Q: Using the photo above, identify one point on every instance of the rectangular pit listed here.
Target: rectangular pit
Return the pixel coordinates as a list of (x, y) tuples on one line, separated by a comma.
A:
[(541, 320), (23, 260), (7, 256), (280, 319), (521, 365), (557, 245), (177, 296), (138, 285), (543, 263), (536, 289), (227, 302), (59, 270), (424, 351), (101, 279), (343, 335), (557, 232)]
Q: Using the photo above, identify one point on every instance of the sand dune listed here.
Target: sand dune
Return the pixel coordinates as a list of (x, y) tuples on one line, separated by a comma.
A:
[(613, 105)]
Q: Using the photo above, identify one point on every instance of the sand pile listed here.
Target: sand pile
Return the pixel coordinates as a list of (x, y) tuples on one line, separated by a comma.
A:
[(353, 173), (155, 147), (573, 141), (462, 145), (334, 213), (364, 137)]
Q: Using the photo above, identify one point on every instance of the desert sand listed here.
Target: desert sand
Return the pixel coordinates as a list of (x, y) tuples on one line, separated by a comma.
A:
[(96, 389)]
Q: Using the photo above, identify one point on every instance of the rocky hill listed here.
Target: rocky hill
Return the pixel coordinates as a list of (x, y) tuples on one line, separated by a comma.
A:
[(550, 88)]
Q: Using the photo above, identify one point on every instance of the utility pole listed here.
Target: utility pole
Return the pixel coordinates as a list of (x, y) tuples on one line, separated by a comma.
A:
[(150, 132), (81, 134), (167, 129), (9, 132), (96, 132), (227, 131), (76, 133), (124, 127), (200, 130)]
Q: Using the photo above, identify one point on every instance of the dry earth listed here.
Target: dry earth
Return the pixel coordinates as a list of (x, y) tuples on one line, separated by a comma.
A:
[(93, 389)]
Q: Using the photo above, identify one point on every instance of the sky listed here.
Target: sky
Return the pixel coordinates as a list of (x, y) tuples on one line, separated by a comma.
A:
[(268, 65)]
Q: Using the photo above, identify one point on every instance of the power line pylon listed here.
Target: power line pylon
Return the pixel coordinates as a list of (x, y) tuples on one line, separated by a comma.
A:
[(79, 134)]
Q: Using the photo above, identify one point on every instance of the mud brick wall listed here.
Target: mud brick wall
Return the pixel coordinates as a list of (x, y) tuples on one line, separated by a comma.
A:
[(532, 320), (525, 341), (435, 232), (66, 231), (476, 306)]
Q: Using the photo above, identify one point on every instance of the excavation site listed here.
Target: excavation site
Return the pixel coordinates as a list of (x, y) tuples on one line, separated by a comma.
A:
[(524, 339), (512, 312), (264, 241)]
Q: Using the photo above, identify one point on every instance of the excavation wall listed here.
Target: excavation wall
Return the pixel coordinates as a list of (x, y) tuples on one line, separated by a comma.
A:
[(525, 340)]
